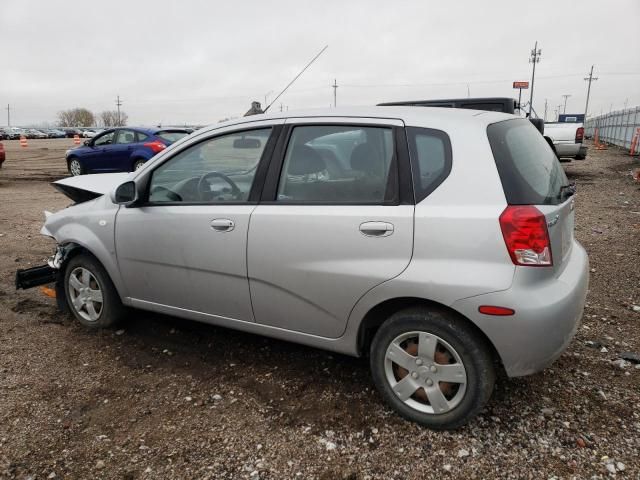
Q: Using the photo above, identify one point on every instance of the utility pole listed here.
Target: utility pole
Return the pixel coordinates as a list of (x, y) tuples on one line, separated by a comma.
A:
[(281, 107), (545, 109), (266, 95), (558, 110), (565, 96), (118, 103), (469, 91), (534, 58), (590, 79), (8, 115), (335, 93)]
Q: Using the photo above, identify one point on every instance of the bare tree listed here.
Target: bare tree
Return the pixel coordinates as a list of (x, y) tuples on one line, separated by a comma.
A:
[(76, 117), (109, 118)]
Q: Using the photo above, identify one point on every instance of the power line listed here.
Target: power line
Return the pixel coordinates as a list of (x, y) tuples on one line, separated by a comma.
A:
[(590, 79)]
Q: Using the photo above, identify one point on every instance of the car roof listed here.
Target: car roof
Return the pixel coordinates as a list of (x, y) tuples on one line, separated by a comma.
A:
[(428, 117)]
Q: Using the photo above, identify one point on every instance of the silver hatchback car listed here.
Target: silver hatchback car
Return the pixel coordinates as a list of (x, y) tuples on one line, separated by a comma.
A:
[(439, 242)]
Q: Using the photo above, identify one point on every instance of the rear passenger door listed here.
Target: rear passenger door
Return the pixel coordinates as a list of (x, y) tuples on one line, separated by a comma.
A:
[(125, 144), (334, 221)]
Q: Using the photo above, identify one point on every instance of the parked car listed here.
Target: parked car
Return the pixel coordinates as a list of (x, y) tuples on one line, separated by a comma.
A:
[(3, 156), (3, 135), (88, 133), (32, 133), (13, 133), (120, 149), (72, 132), (55, 133), (567, 139), (490, 104), (436, 241)]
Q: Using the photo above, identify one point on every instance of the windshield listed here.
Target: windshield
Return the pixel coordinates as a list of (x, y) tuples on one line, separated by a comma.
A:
[(529, 169)]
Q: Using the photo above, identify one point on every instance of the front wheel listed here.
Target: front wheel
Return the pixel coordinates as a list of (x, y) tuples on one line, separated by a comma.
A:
[(75, 167), (91, 295), (432, 368)]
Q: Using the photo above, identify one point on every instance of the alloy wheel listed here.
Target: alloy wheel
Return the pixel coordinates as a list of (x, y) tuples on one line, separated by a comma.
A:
[(85, 293), (425, 372)]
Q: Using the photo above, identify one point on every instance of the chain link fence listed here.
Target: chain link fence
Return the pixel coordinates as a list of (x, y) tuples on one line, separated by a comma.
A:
[(616, 128)]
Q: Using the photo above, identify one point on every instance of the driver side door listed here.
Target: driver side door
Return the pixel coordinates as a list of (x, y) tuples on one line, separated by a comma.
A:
[(183, 252)]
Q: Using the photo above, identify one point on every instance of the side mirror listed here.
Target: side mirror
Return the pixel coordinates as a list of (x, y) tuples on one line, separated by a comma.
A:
[(126, 194)]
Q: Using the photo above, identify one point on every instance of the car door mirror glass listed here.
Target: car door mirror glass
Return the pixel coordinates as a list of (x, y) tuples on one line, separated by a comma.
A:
[(126, 194)]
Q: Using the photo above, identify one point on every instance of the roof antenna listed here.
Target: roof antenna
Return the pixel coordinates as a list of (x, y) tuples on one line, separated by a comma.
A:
[(296, 77)]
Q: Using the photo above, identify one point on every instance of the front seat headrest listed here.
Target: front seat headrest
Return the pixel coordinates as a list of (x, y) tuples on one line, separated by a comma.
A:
[(366, 158), (305, 160)]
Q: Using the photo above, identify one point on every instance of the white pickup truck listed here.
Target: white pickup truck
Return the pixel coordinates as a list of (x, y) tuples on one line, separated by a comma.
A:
[(567, 139)]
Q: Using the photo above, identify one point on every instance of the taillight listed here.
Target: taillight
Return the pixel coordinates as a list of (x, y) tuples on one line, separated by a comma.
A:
[(525, 233), (579, 134), (156, 146)]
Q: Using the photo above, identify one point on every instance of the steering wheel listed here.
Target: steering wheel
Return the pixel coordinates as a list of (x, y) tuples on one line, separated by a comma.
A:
[(235, 191)]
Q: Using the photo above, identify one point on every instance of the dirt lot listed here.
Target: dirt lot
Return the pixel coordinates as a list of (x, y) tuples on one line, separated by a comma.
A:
[(165, 398)]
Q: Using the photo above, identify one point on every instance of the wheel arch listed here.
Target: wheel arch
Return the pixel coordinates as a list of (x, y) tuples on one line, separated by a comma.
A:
[(377, 315)]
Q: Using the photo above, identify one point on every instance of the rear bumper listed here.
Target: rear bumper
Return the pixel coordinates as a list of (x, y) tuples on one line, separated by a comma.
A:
[(567, 149), (548, 314)]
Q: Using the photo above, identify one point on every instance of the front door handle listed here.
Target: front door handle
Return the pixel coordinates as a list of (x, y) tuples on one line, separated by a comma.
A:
[(376, 229), (222, 225)]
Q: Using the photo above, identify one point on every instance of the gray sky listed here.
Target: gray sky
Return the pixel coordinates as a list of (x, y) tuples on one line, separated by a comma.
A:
[(201, 61)]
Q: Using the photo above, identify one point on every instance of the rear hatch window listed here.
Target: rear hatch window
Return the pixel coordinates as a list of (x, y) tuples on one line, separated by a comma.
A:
[(171, 135), (529, 170), (532, 175)]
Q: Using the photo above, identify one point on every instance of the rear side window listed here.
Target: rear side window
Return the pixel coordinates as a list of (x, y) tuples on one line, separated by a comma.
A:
[(337, 164), (529, 170), (430, 152)]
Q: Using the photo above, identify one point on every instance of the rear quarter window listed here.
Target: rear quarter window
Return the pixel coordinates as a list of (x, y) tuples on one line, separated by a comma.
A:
[(430, 152), (529, 169)]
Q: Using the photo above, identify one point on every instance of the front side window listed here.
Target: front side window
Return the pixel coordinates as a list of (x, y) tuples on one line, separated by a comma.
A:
[(106, 139), (339, 164), (217, 170)]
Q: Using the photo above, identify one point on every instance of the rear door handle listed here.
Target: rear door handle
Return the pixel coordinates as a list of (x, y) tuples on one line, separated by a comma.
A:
[(376, 229), (222, 225)]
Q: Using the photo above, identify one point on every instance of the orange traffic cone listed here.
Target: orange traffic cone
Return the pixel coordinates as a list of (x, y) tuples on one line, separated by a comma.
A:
[(23, 141), (634, 142), (76, 139), (596, 141)]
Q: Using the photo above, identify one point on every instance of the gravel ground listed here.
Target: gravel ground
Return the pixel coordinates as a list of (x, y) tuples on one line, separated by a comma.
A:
[(166, 398)]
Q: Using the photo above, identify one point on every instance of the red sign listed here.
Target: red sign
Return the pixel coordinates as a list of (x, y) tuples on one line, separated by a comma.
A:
[(524, 85)]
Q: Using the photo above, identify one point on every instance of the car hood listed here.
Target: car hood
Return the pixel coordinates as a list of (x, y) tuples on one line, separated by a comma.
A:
[(87, 187)]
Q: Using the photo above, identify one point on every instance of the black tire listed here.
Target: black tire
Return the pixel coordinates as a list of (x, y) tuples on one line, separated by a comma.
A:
[(80, 170), (137, 163), (111, 310), (471, 348), (580, 157)]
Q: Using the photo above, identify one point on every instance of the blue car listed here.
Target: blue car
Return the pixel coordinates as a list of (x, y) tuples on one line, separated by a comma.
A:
[(122, 149)]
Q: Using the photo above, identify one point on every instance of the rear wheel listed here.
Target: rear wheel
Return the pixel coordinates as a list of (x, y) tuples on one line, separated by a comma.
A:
[(75, 167), (432, 368), (137, 164), (91, 296)]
